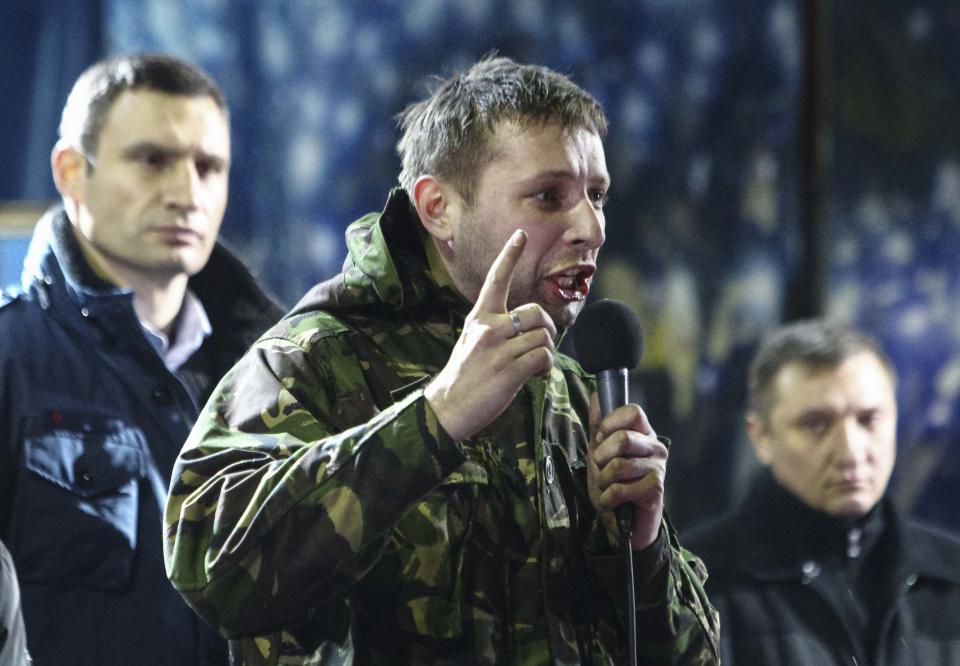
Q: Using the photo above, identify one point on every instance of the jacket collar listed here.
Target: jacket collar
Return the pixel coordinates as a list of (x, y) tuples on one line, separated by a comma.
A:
[(781, 538), (927, 552), (386, 268), (56, 274)]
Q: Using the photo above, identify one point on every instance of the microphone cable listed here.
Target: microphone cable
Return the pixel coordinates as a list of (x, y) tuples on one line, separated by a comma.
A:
[(631, 603)]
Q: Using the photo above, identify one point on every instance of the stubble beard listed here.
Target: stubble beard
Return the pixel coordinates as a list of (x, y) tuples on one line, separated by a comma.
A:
[(474, 256)]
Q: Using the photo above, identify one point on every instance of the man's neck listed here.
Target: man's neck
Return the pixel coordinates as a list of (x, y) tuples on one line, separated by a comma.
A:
[(157, 298), (157, 306), (437, 264)]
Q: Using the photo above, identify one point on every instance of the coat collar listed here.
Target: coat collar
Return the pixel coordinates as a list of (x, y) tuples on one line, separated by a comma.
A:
[(780, 538), (58, 276), (386, 268)]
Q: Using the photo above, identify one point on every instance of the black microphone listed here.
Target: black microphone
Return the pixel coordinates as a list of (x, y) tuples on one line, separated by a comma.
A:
[(609, 343)]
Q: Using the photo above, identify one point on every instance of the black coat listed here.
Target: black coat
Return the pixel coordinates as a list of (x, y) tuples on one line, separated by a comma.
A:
[(789, 593)]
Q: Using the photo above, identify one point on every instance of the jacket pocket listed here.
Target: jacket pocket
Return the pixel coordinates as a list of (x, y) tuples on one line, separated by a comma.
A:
[(75, 512)]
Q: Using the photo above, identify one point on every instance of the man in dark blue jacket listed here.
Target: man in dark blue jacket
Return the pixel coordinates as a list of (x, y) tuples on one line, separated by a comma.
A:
[(817, 566), (128, 314)]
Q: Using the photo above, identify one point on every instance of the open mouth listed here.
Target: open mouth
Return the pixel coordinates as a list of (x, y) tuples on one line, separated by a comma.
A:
[(572, 284)]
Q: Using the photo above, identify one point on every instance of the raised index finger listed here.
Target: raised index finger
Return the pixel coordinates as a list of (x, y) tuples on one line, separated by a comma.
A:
[(496, 287)]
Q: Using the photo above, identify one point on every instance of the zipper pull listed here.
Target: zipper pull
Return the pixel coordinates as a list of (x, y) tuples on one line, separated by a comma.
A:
[(853, 542)]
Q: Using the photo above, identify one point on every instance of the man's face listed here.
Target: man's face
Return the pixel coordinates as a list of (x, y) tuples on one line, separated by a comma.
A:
[(152, 203), (831, 436), (553, 185)]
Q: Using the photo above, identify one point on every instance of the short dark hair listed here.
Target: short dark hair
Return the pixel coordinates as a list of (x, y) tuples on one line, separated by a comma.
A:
[(448, 134), (98, 87), (814, 343)]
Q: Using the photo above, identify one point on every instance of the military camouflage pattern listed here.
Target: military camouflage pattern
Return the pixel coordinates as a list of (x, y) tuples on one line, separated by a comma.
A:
[(320, 514)]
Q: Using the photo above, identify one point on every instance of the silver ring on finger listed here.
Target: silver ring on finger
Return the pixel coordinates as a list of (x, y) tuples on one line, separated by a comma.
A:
[(517, 325)]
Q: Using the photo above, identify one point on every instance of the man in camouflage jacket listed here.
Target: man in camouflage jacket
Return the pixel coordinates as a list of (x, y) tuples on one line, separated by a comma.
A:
[(405, 470)]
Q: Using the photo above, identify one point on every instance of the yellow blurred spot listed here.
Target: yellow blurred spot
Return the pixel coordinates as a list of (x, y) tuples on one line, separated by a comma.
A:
[(263, 646), (344, 508)]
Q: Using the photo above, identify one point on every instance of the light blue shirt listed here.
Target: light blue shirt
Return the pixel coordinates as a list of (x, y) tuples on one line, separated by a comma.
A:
[(190, 329)]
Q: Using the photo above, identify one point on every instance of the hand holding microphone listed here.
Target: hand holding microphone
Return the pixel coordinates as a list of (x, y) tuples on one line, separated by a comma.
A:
[(627, 464)]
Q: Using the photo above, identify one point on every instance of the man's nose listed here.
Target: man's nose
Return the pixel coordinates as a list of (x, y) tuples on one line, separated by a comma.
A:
[(853, 442), (587, 226), (183, 186)]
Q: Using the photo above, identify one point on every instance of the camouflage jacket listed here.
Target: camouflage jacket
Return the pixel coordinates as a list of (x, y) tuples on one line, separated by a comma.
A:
[(320, 514)]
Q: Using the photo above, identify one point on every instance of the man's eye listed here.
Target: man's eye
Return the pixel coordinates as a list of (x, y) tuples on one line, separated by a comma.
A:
[(815, 425), (869, 419), (599, 198), (153, 160), (209, 167), (550, 196)]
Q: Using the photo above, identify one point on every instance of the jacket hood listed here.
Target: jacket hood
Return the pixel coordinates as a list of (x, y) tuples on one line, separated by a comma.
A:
[(386, 268)]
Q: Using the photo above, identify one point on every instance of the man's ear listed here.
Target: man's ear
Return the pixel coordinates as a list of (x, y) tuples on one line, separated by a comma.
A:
[(69, 171), (435, 201), (758, 434)]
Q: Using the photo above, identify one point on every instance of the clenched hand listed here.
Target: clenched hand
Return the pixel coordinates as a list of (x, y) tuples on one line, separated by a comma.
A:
[(627, 464)]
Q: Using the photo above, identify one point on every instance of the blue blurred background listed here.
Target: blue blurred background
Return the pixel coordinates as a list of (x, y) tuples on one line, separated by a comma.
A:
[(770, 159)]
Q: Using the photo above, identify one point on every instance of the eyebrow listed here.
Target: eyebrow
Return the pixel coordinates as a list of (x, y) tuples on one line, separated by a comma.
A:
[(562, 174), (814, 412), (138, 149), (829, 412)]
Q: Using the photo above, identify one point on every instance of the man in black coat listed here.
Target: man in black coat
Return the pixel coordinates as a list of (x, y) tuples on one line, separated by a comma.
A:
[(817, 567), (128, 313)]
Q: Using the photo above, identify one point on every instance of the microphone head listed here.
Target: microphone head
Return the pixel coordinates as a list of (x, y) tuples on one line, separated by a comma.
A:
[(607, 336)]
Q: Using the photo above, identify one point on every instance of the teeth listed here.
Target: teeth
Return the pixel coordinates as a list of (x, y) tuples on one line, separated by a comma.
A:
[(565, 281)]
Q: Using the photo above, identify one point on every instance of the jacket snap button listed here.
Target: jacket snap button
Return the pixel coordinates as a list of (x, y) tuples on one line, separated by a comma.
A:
[(161, 395), (810, 571), (548, 469), (82, 475)]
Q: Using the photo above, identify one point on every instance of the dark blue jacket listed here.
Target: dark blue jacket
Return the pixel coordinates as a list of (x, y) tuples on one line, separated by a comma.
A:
[(91, 422)]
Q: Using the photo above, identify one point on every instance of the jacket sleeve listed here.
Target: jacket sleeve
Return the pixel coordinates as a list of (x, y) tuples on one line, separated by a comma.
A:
[(676, 623), (288, 487)]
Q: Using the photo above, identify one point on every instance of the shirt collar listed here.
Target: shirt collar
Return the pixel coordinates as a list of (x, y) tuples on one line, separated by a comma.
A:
[(190, 329)]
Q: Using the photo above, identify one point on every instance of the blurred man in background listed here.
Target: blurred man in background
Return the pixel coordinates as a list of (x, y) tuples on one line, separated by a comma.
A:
[(817, 566), (128, 313)]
